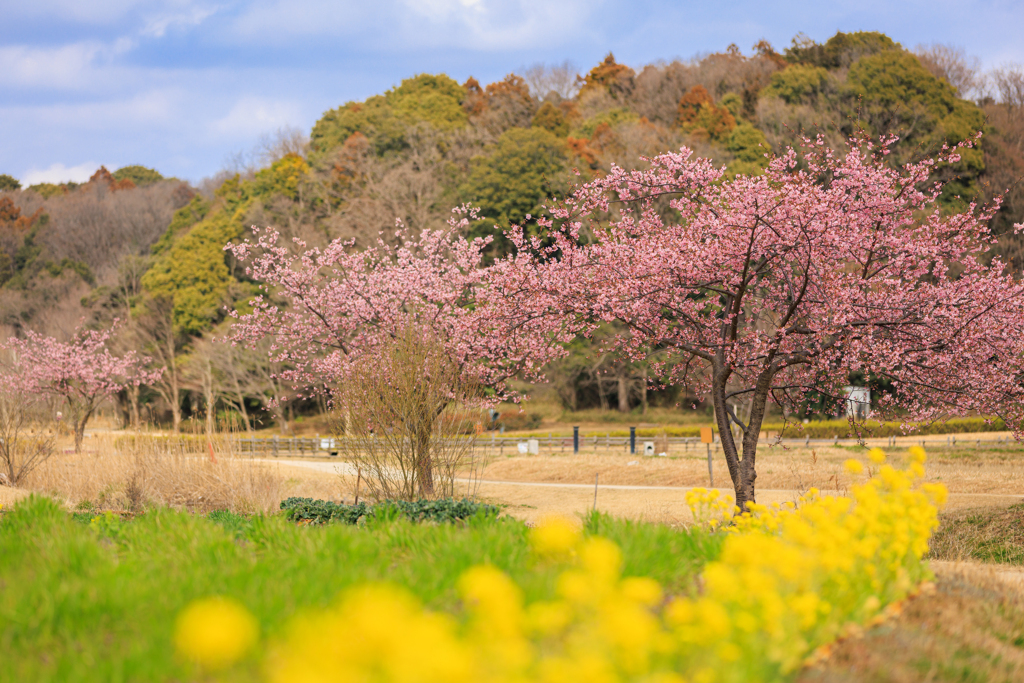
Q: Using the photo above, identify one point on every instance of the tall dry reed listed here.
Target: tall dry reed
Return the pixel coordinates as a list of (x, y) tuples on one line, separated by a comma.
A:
[(131, 471)]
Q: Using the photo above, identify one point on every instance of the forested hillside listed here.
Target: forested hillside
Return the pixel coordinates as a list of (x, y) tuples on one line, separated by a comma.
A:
[(148, 251)]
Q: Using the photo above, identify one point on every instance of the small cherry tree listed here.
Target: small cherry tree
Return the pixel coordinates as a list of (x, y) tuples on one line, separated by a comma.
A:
[(82, 372), (331, 311), (778, 287)]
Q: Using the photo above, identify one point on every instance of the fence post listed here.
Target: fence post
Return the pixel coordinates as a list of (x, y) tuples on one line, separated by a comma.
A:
[(632, 440), (575, 440)]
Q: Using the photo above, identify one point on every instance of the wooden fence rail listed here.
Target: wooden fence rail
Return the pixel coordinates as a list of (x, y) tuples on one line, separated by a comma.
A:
[(597, 443)]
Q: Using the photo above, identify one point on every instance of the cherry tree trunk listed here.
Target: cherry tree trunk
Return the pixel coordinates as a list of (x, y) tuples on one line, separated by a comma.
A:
[(424, 465), (79, 434), (623, 394), (742, 464)]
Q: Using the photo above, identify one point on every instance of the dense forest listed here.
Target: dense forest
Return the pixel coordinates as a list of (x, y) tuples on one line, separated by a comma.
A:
[(148, 251)]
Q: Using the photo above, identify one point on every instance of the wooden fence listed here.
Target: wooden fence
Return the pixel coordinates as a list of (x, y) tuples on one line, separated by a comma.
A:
[(603, 443)]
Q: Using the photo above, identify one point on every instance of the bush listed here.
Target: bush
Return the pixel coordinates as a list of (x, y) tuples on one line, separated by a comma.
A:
[(515, 420), (828, 429), (443, 510)]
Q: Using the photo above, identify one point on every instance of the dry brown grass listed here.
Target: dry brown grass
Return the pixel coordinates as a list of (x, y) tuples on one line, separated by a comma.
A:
[(10, 495), (981, 534), (964, 470), (131, 474), (971, 628)]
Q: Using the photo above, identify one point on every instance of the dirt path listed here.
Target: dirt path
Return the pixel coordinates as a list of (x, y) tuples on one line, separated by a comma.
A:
[(531, 500)]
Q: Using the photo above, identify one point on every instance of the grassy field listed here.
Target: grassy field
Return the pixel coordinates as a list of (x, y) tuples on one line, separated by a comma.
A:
[(86, 598)]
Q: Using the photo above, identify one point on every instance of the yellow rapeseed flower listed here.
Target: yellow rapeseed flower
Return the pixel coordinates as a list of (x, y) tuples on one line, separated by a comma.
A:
[(643, 590), (876, 455), (554, 537), (215, 632), (789, 580), (854, 466)]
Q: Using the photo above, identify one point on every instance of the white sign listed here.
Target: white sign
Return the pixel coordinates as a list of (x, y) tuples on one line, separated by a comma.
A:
[(858, 402), (648, 448), (533, 446)]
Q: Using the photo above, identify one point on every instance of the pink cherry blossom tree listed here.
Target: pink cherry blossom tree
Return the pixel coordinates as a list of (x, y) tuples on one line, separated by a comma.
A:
[(82, 372), (330, 311), (771, 287)]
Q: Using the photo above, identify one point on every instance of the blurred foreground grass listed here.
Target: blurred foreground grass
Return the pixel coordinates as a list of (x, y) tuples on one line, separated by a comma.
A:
[(94, 598)]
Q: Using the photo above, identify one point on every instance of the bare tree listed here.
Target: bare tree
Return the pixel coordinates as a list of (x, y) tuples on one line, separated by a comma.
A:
[(26, 441), (270, 147), (199, 377), (233, 368), (403, 412), (96, 225), (1004, 158), (561, 80), (952, 63), (163, 343), (1009, 84)]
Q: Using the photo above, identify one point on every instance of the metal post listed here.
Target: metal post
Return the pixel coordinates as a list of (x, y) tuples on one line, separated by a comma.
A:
[(595, 491), (632, 440), (711, 474), (575, 440)]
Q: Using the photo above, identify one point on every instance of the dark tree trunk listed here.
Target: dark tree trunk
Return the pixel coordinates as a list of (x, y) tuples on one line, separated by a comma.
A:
[(424, 465), (742, 470)]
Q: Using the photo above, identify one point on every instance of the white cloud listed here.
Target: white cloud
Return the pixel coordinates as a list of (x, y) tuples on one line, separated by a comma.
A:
[(157, 26), (415, 24), (76, 66), (118, 114), (252, 116), (59, 173), (93, 12)]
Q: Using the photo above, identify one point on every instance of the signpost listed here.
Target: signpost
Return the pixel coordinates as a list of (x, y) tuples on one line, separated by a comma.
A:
[(707, 436)]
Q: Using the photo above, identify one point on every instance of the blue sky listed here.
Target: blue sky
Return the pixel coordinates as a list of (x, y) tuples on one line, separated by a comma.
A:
[(179, 85)]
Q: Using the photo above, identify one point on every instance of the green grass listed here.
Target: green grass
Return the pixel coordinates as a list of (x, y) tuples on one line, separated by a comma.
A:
[(93, 598), (982, 535)]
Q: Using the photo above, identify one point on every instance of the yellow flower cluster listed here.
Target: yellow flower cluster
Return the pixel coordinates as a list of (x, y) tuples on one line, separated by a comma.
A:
[(790, 580), (709, 507), (215, 632)]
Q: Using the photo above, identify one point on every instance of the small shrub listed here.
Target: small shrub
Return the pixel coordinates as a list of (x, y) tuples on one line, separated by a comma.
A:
[(443, 510), (515, 420)]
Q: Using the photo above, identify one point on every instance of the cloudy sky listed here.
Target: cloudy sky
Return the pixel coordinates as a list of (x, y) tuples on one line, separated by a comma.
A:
[(180, 85)]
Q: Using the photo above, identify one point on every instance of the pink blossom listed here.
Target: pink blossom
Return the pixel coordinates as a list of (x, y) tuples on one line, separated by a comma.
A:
[(83, 372)]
